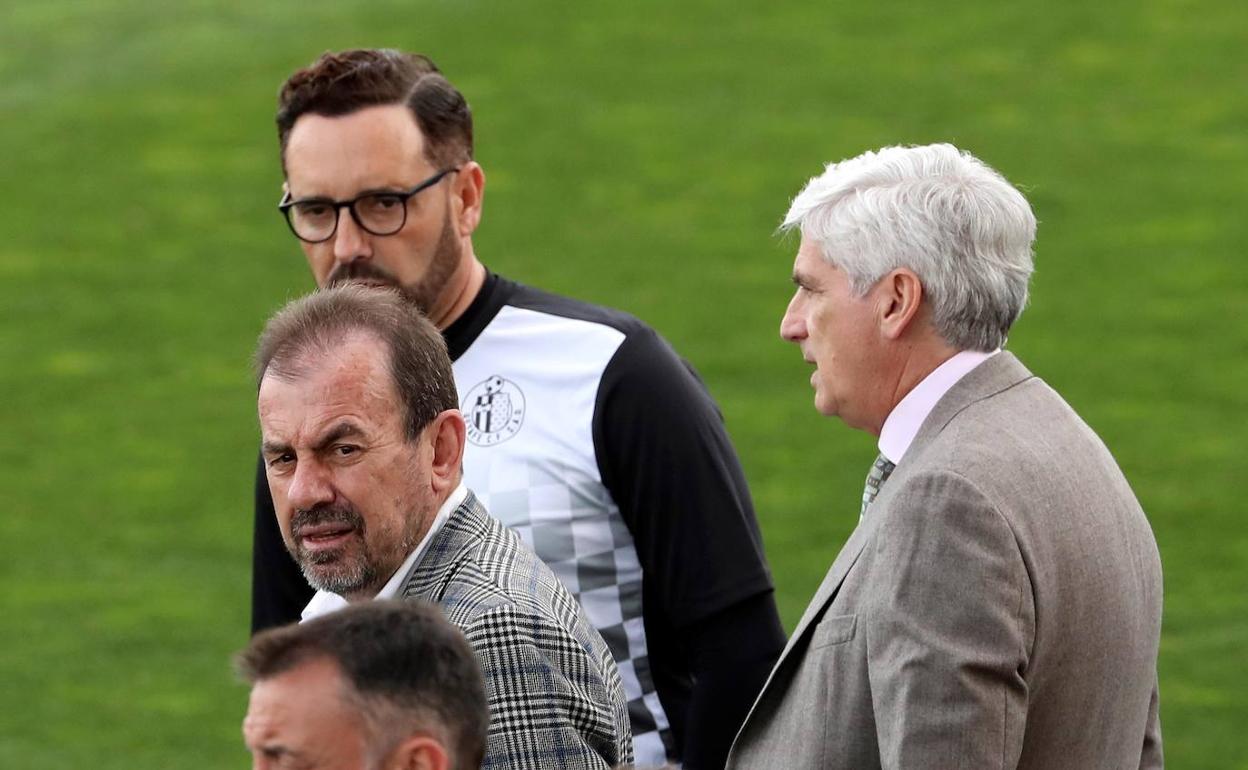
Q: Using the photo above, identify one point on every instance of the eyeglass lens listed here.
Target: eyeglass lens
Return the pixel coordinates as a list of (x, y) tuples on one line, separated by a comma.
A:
[(380, 214)]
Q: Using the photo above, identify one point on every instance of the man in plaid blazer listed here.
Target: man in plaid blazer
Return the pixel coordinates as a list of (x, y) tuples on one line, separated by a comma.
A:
[(362, 443), (542, 661)]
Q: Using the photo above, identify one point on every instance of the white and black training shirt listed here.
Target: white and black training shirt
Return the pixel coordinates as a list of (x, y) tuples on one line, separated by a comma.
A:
[(592, 439)]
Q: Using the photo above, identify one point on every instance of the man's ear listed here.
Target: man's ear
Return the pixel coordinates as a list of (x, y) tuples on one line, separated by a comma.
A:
[(420, 752), (447, 434), (467, 193), (899, 296)]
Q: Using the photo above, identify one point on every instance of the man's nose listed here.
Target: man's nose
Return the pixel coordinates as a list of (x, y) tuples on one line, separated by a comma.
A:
[(351, 242), (793, 324), (309, 486)]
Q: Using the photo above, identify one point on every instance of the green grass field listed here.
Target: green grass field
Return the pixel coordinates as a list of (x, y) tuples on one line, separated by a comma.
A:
[(637, 154)]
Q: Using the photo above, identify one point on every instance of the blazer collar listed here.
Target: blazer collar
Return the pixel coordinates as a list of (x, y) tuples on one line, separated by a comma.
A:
[(1001, 372), (464, 529)]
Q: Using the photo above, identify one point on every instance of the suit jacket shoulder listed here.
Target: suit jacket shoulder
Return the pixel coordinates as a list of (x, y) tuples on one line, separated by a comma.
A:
[(1003, 586), (554, 690)]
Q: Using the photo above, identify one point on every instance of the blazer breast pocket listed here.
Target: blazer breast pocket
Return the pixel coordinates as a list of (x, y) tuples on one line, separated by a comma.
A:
[(833, 629)]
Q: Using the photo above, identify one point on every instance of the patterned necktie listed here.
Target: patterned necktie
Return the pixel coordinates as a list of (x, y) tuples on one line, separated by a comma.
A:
[(880, 471)]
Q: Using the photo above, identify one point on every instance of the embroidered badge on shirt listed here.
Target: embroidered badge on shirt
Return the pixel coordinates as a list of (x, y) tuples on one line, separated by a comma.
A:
[(494, 411)]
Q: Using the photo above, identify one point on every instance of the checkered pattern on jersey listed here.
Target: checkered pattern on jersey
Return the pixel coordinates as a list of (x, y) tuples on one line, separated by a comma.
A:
[(556, 699), (575, 527)]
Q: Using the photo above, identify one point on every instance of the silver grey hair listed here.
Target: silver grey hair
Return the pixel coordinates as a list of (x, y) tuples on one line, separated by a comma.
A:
[(938, 211)]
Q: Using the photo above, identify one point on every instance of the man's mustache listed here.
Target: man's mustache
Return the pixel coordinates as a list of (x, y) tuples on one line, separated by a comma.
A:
[(361, 270), (326, 514), (364, 271)]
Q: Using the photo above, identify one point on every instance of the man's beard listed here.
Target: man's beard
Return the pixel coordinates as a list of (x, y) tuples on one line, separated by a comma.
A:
[(338, 569), (424, 293), (351, 568)]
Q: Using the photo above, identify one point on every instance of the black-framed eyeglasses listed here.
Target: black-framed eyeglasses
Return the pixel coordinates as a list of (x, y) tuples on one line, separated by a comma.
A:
[(315, 220)]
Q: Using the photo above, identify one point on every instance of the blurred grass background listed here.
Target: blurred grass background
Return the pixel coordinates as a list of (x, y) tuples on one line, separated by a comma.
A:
[(639, 155)]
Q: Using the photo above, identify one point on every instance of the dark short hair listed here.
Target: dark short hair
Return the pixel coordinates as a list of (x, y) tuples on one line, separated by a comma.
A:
[(405, 663), (419, 365), (341, 83)]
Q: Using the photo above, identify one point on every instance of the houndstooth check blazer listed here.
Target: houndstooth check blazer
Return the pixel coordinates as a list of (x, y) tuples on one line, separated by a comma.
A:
[(554, 691)]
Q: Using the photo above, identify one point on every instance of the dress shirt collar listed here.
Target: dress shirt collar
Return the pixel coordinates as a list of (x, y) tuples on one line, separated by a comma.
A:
[(907, 417), (325, 602)]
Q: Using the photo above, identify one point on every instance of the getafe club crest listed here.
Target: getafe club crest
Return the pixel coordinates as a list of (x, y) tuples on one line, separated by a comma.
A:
[(494, 411)]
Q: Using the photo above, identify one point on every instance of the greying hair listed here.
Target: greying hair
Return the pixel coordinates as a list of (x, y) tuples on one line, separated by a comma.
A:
[(938, 211), (408, 669), (419, 365)]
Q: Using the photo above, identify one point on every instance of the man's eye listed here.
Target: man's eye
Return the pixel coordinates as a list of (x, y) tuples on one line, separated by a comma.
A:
[(278, 461), (313, 210), (379, 204), (345, 450)]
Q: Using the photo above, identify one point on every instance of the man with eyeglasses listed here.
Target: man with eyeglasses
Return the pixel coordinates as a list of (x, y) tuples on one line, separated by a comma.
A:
[(587, 434)]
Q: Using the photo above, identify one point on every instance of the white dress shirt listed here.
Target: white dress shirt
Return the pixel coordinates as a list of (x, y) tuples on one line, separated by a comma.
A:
[(907, 417), (325, 602)]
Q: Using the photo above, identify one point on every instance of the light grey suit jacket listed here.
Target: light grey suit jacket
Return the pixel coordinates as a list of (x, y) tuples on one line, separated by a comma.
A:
[(999, 606)]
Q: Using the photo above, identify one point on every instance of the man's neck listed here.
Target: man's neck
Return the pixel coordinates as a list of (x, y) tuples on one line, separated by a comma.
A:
[(917, 362), (453, 497), (462, 289)]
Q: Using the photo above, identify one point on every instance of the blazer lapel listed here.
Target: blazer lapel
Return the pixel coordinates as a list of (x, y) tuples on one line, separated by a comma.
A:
[(998, 373), (433, 570), (823, 597), (836, 576)]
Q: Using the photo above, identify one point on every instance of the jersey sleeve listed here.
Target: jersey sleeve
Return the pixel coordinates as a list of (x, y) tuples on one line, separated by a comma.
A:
[(664, 454)]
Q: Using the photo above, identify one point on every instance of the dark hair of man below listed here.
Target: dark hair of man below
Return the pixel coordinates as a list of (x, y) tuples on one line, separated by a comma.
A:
[(401, 657)]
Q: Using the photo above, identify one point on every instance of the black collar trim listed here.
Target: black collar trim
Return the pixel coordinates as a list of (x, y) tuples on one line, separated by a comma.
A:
[(464, 330)]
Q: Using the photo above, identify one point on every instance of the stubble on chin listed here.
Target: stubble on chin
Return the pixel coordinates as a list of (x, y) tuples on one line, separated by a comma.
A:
[(353, 568), (345, 570), (425, 293)]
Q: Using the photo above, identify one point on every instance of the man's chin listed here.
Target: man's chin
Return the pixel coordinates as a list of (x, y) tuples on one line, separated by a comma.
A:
[(823, 405), (336, 574)]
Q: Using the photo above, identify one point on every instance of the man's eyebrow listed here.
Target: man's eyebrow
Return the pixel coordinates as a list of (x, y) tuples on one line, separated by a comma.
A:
[(310, 199), (274, 447), (342, 430), (383, 190)]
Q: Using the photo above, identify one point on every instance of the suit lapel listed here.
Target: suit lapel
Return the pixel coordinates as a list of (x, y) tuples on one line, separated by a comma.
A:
[(827, 592), (836, 576), (994, 375), (433, 570), (998, 373)]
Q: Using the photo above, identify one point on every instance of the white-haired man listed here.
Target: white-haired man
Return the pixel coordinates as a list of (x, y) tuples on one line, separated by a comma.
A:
[(999, 603)]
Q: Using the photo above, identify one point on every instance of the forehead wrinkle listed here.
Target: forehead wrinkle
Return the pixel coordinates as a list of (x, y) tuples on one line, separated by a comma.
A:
[(350, 382)]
